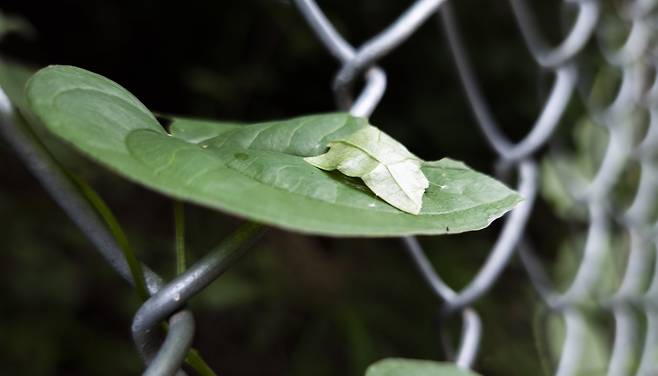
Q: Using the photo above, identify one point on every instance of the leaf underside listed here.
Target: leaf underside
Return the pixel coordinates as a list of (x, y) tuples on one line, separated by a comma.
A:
[(256, 171)]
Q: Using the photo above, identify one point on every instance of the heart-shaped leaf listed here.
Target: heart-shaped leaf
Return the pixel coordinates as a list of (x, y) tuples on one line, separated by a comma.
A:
[(255, 171), (413, 367)]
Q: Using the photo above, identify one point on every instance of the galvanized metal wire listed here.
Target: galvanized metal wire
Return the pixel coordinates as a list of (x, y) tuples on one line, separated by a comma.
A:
[(635, 59)]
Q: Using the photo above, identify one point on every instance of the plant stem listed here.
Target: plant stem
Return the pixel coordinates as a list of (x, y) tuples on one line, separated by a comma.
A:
[(115, 228), (179, 224), (194, 360), (173, 296)]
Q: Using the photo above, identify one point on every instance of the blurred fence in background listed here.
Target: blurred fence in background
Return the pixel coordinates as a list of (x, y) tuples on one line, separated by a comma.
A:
[(615, 149), (629, 124)]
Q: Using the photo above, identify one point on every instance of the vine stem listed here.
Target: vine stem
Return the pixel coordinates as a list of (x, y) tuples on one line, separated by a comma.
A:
[(179, 224), (173, 296), (115, 228)]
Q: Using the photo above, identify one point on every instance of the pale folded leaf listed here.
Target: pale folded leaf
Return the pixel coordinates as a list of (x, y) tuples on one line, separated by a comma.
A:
[(384, 165)]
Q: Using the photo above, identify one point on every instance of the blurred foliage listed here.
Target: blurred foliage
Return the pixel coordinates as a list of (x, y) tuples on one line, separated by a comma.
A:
[(296, 305)]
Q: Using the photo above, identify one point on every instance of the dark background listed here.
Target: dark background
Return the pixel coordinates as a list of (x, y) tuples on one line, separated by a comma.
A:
[(296, 305)]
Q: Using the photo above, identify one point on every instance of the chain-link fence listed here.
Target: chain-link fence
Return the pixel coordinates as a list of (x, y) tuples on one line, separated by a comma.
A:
[(629, 124)]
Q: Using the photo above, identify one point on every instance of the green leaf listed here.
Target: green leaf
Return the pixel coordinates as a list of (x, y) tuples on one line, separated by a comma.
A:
[(13, 77), (413, 367), (384, 165), (595, 353), (560, 181), (255, 171)]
